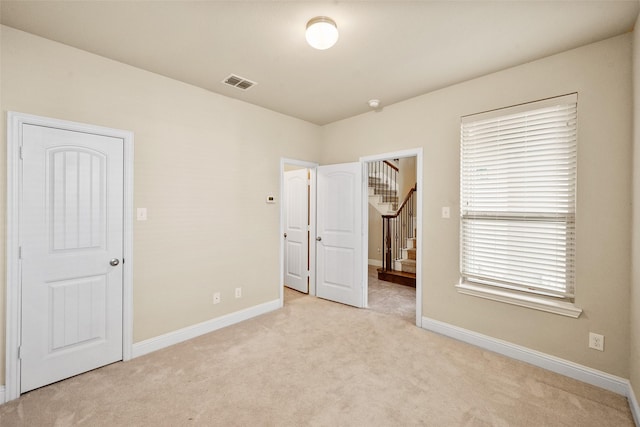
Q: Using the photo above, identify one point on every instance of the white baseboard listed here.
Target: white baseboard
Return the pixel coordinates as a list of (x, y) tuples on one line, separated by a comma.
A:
[(2, 394), (153, 344), (633, 403), (375, 262), (555, 364)]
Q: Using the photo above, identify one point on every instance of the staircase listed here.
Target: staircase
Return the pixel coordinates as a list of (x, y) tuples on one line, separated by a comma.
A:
[(383, 198), (399, 263), (398, 225), (383, 194), (407, 261)]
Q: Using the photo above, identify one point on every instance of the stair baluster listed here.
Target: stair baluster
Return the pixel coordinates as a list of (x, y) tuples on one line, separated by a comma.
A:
[(396, 229)]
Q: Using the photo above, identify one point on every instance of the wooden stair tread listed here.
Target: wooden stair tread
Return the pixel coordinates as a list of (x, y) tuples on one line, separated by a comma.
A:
[(398, 277)]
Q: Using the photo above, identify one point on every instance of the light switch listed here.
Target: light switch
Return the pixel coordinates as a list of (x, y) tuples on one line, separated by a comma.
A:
[(271, 199), (446, 212), (141, 214)]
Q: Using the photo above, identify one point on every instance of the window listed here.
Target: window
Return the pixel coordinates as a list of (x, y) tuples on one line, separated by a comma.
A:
[(518, 199)]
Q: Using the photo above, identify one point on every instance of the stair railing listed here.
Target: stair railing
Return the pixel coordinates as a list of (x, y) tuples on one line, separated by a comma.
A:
[(397, 228), (383, 177)]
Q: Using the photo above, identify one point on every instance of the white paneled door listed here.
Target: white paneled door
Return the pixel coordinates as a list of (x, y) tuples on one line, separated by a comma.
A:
[(339, 234), (71, 253), (296, 222)]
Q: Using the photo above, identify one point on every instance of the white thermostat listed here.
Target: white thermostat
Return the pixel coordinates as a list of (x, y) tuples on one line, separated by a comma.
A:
[(271, 199)]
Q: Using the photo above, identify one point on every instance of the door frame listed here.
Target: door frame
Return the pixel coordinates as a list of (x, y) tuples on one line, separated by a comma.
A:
[(312, 215), (13, 332), (417, 153)]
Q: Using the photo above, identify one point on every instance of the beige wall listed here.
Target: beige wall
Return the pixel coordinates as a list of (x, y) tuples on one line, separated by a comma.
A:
[(203, 166), (634, 358), (375, 234), (406, 176), (289, 168), (601, 74)]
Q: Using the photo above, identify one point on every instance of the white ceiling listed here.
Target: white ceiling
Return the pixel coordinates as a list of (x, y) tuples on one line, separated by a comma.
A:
[(391, 50)]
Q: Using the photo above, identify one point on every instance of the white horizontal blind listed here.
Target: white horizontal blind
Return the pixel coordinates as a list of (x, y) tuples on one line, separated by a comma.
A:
[(518, 197)]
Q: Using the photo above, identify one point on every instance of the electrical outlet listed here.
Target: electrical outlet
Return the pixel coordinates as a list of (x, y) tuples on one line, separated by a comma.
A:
[(216, 298), (596, 341), (238, 292)]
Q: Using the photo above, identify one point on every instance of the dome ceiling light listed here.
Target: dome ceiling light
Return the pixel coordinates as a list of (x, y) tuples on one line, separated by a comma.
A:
[(322, 32)]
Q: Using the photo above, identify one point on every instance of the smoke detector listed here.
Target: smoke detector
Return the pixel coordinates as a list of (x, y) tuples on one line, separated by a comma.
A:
[(374, 103)]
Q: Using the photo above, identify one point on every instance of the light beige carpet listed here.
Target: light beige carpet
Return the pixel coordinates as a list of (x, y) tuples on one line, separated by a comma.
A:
[(319, 363)]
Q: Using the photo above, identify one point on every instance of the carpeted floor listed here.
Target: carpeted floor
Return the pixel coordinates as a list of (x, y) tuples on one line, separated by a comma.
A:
[(319, 363)]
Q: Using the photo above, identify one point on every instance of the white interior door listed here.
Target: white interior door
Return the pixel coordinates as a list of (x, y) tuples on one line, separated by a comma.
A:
[(296, 238), (71, 253), (339, 234)]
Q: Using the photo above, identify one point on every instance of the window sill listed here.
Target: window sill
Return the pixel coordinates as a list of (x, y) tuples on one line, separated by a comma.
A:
[(530, 301)]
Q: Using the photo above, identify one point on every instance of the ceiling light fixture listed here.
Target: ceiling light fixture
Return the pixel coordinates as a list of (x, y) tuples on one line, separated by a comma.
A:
[(322, 32), (374, 103)]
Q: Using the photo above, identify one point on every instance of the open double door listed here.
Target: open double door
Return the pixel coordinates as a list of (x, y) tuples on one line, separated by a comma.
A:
[(338, 232)]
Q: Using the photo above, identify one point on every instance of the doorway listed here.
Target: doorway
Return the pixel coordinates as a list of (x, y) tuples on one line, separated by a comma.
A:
[(361, 261), (335, 232), (305, 274), (69, 250), (416, 153), (297, 220), (392, 236)]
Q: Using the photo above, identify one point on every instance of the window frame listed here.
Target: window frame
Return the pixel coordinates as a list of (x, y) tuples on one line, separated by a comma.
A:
[(555, 300)]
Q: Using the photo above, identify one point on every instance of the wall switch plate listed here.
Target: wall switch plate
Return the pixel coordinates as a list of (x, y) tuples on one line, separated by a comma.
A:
[(446, 212), (216, 298), (596, 341), (141, 214), (238, 292)]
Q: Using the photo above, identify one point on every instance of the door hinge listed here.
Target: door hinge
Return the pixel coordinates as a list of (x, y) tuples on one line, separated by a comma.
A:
[(20, 152), (19, 252), (20, 352)]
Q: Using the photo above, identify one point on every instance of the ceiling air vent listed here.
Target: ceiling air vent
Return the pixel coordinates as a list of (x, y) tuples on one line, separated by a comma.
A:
[(239, 82)]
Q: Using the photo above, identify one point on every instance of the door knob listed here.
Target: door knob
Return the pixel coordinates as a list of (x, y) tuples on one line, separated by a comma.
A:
[(285, 235), (114, 262), (319, 239)]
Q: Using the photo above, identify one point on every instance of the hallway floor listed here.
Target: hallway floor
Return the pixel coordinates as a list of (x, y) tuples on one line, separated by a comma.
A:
[(391, 298)]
